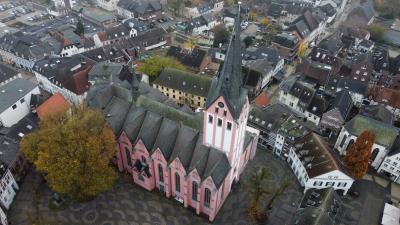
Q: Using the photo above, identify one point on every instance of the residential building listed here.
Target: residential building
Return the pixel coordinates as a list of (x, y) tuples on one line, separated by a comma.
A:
[(337, 113), (3, 217), (268, 121), (183, 87), (109, 5), (377, 112), (289, 132), (209, 6), (302, 98), (269, 54), (362, 15), (196, 59), (390, 166), (126, 48), (9, 186), (385, 136), (287, 43), (99, 17), (128, 29), (15, 98), (55, 104), (142, 9), (309, 25), (110, 72), (10, 139), (66, 75), (171, 151), (202, 24), (70, 42), (386, 96), (315, 167), (23, 50), (325, 203), (257, 75)]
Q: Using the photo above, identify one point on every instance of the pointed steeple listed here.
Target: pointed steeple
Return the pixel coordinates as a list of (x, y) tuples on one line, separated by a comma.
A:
[(229, 81)]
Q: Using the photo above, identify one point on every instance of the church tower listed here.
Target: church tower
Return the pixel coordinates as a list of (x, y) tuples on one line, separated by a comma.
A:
[(227, 105)]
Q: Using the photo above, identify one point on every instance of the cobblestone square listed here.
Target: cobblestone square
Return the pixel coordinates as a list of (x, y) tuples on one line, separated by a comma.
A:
[(128, 204)]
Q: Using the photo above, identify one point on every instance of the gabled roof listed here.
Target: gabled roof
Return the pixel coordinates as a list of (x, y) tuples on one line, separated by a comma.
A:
[(385, 134), (191, 59), (13, 91), (378, 112), (317, 106), (184, 81), (316, 156), (343, 102), (140, 6), (54, 104)]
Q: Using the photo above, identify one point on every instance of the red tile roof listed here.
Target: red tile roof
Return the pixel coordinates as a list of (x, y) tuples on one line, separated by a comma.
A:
[(54, 104), (102, 36), (386, 96), (262, 100)]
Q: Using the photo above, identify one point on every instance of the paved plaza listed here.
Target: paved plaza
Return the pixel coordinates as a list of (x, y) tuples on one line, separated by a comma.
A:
[(128, 204)]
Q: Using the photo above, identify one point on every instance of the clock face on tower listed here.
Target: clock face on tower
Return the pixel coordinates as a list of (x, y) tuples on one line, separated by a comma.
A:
[(221, 104)]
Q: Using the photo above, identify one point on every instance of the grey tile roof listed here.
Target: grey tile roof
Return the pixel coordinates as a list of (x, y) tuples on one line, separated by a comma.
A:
[(6, 72), (343, 102), (115, 113), (104, 70), (229, 82), (184, 81), (167, 137), (140, 6), (270, 53), (149, 129), (378, 112), (13, 91), (269, 118)]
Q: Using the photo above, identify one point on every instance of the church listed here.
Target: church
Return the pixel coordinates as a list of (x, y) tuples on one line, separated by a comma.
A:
[(193, 158)]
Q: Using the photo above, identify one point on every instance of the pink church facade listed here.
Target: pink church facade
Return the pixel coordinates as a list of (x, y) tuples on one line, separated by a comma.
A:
[(196, 167)]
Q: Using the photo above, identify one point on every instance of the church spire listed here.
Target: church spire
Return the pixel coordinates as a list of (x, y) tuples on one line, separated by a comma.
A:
[(229, 82)]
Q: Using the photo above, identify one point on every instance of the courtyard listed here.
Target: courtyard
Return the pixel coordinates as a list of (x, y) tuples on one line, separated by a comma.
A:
[(128, 204)]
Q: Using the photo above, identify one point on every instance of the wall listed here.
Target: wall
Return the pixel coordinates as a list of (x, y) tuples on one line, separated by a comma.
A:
[(7, 194), (11, 116)]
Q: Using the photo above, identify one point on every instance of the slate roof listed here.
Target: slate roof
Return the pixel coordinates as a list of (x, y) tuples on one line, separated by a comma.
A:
[(25, 46), (320, 207), (191, 59), (343, 103), (140, 6), (318, 105), (287, 40), (270, 53), (378, 112), (332, 44), (316, 154), (228, 83), (269, 118), (317, 71), (353, 85), (328, 10), (58, 70), (275, 10), (6, 73), (184, 81), (385, 134), (13, 91)]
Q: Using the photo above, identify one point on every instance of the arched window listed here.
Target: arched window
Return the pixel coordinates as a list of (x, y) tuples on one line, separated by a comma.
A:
[(195, 188), (207, 197), (374, 154), (128, 156), (177, 183), (343, 140), (160, 173)]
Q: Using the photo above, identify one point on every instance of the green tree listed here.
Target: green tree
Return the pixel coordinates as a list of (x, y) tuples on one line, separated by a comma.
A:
[(248, 41), (80, 29), (377, 32), (358, 154), (73, 150), (154, 65), (221, 35)]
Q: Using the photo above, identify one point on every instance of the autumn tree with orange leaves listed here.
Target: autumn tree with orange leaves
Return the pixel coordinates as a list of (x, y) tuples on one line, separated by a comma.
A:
[(359, 153)]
